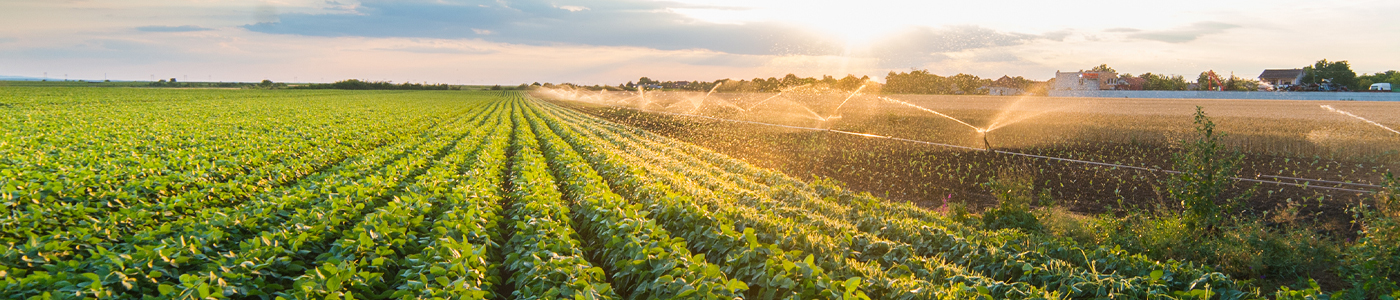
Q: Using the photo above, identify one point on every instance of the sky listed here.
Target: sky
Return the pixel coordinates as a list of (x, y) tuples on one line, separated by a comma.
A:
[(610, 42)]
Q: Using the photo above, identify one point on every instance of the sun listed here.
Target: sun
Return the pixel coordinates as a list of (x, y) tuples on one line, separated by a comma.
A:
[(856, 26)]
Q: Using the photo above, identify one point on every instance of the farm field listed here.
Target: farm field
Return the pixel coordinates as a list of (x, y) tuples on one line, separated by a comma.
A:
[(1095, 169), (1282, 140), (242, 194)]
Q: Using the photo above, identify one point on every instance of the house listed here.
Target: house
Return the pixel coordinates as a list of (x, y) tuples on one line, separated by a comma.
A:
[(1085, 81), (1005, 86), (1282, 78), (1131, 84)]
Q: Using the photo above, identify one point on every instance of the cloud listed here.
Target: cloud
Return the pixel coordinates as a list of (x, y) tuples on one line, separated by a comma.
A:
[(438, 50), (134, 51), (1120, 29), (632, 23), (572, 8), (995, 56), (7, 40), (1184, 34), (624, 23), (184, 28), (1058, 35), (922, 45)]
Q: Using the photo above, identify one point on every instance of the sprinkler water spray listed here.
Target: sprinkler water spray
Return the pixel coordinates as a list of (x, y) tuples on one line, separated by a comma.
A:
[(836, 113)]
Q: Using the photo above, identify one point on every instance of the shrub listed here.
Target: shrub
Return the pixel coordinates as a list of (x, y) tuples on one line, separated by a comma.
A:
[(1372, 264), (1015, 192), (1204, 169)]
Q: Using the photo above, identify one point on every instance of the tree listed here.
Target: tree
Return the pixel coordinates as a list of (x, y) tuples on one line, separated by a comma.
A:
[(1240, 84), (850, 82), (1339, 73), (1103, 68), (1159, 82), (791, 80), (969, 84), (1392, 77)]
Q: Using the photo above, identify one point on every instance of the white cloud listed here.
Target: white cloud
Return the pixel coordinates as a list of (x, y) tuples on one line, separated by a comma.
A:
[(87, 39), (572, 8)]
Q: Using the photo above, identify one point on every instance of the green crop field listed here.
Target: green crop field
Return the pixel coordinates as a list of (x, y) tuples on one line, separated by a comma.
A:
[(1308, 198), (323, 194)]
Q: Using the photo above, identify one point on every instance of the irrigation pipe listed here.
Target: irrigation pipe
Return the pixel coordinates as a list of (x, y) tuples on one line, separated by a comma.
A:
[(1306, 185)]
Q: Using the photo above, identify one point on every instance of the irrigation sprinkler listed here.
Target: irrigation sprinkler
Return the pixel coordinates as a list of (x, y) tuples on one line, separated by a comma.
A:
[(984, 138)]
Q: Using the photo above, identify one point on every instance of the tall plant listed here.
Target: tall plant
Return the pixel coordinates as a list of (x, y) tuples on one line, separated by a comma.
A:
[(1372, 264), (1204, 167)]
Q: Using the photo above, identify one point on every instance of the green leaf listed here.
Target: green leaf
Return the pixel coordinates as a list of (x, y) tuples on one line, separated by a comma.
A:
[(1155, 275), (852, 283), (443, 281), (166, 289), (737, 285), (155, 274)]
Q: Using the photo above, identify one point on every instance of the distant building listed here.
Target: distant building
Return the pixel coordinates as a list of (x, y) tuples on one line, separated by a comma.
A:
[(1282, 78), (1131, 84), (1085, 81), (1004, 86)]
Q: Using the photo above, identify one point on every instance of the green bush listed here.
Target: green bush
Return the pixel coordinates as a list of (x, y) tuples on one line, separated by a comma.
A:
[(1372, 264), (1205, 168), (1015, 192)]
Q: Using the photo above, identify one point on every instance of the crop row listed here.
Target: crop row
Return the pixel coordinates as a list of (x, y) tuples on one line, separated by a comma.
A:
[(143, 163), (1004, 256), (256, 245), (498, 197)]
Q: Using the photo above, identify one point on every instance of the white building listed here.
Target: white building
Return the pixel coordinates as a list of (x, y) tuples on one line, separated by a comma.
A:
[(1084, 81), (1282, 78)]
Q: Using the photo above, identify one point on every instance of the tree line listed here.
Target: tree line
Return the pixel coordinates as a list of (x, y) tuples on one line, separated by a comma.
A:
[(172, 83), (1336, 74), (924, 82), (356, 84)]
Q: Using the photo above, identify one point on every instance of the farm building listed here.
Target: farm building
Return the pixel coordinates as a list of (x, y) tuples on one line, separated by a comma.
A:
[(1085, 81), (1130, 84), (1282, 78), (1004, 86)]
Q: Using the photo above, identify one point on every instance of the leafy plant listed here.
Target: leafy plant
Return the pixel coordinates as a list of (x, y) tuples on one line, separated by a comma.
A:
[(1204, 168), (1372, 264), (1015, 192)]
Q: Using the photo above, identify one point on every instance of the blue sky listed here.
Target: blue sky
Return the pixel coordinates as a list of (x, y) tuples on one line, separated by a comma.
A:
[(606, 42)]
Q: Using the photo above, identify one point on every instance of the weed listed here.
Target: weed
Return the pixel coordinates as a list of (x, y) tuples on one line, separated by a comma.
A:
[(1372, 264), (1015, 192), (1205, 168)]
